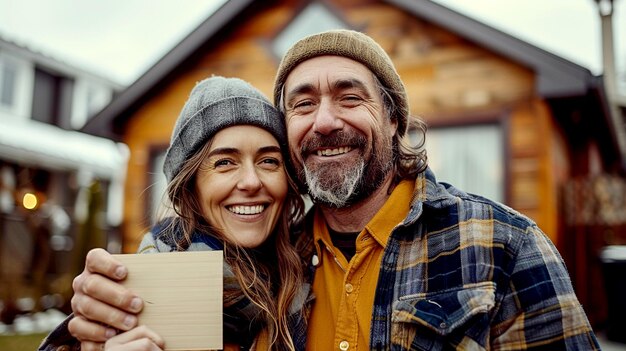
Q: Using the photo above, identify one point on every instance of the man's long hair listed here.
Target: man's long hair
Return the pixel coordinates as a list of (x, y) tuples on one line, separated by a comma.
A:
[(409, 152)]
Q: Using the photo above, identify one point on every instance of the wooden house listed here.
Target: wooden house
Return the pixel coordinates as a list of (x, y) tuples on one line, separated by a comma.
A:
[(506, 119)]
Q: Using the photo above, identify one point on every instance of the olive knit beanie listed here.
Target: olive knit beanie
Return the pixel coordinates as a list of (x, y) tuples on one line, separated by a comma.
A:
[(214, 104), (355, 46)]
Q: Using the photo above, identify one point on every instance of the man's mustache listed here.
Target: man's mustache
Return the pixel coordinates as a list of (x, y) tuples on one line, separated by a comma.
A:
[(337, 139)]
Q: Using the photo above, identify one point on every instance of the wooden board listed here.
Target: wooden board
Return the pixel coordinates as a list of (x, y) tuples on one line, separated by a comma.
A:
[(182, 293)]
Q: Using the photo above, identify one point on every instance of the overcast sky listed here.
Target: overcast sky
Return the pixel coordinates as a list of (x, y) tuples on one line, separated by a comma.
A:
[(121, 39)]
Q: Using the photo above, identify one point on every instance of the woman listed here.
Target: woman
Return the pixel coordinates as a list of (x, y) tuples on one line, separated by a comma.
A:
[(229, 190)]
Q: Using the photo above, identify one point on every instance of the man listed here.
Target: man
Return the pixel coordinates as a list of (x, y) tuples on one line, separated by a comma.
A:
[(401, 261), (431, 267)]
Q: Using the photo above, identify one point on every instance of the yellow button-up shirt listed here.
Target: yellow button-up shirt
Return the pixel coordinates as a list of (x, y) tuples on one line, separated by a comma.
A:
[(342, 311)]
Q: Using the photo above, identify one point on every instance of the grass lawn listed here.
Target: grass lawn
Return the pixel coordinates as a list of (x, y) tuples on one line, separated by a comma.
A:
[(28, 342)]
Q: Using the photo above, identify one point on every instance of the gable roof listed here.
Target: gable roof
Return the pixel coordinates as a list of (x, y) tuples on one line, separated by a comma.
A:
[(556, 76), (54, 64)]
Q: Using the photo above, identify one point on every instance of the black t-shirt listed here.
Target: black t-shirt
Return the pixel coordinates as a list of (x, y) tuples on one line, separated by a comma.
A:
[(345, 242)]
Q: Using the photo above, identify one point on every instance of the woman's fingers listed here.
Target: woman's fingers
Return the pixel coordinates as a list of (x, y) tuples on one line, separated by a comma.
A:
[(85, 330), (102, 262), (108, 291), (141, 338), (98, 312), (100, 281)]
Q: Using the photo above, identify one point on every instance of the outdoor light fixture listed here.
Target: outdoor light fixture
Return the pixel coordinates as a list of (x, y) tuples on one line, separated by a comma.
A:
[(30, 201)]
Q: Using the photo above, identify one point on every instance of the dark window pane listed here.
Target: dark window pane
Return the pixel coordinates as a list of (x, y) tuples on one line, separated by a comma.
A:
[(45, 97), (52, 98)]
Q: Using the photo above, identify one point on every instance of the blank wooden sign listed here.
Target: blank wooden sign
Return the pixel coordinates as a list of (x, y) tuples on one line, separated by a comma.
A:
[(182, 293)]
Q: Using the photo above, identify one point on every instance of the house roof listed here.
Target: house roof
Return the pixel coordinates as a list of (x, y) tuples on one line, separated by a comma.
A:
[(556, 76), (108, 121), (44, 60), (33, 143)]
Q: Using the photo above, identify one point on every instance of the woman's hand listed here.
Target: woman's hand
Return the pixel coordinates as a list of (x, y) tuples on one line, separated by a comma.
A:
[(101, 305)]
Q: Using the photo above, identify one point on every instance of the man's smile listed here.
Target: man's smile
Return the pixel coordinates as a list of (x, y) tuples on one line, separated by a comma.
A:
[(334, 151)]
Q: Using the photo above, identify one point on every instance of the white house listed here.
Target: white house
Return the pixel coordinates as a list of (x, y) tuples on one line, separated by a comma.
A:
[(50, 172)]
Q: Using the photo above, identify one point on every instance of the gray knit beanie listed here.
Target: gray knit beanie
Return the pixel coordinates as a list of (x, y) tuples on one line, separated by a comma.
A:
[(355, 46), (214, 104)]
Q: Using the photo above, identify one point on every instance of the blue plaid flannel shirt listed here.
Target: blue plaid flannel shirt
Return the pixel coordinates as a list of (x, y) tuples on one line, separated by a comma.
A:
[(462, 272)]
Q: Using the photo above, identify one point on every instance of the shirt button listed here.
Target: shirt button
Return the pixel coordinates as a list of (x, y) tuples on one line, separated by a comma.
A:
[(344, 345), (349, 288), (443, 325), (315, 261)]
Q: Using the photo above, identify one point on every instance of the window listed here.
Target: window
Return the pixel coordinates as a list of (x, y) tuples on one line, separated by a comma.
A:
[(8, 79), (97, 98), (314, 18), (52, 98), (89, 97), (469, 157), (92, 103)]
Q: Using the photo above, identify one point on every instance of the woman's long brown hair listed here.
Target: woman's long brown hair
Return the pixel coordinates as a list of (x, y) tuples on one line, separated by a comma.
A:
[(269, 276)]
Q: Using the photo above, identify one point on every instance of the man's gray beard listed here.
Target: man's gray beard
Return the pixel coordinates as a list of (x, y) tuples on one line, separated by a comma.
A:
[(333, 193)]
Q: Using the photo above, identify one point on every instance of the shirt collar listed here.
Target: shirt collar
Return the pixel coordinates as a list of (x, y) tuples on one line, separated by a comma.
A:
[(392, 213), (386, 219)]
